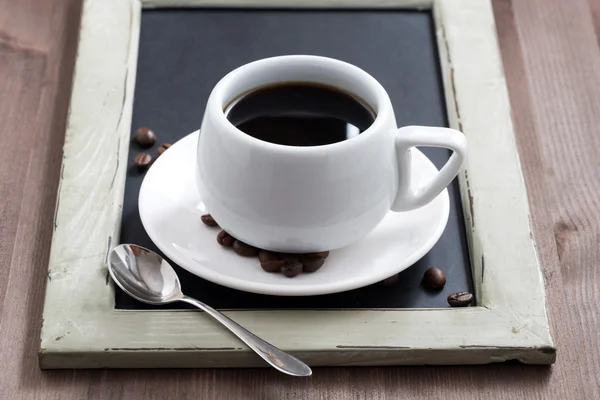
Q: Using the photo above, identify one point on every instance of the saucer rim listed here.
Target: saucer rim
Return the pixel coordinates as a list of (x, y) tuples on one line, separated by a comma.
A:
[(274, 289)]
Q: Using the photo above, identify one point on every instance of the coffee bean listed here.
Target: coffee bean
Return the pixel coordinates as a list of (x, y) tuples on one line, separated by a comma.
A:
[(244, 249), (289, 257), (460, 299), (163, 147), (143, 160), (434, 279), (266, 255), (209, 220), (272, 265), (312, 263), (225, 239), (292, 269), (323, 254), (145, 137), (391, 280)]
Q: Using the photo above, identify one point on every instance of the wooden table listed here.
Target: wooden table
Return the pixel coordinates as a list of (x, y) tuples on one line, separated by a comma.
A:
[(552, 60)]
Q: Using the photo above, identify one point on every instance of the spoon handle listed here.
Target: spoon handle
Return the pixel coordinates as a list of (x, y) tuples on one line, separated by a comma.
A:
[(280, 360)]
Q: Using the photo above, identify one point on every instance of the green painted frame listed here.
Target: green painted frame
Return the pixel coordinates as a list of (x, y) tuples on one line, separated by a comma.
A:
[(82, 329)]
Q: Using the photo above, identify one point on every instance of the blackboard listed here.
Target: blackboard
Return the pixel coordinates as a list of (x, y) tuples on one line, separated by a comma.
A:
[(182, 55)]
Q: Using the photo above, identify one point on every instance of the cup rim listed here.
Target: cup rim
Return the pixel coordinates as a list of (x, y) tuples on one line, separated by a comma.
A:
[(216, 103)]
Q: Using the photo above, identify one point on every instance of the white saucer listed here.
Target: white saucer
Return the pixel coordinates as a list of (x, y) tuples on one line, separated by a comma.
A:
[(170, 209)]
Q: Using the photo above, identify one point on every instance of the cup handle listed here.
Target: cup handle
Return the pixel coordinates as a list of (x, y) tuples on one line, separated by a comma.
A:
[(408, 197)]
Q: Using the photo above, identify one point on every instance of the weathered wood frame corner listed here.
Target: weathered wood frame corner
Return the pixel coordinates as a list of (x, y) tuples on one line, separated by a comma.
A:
[(81, 328)]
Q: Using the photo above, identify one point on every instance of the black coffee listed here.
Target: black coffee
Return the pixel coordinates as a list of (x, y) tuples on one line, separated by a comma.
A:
[(300, 114)]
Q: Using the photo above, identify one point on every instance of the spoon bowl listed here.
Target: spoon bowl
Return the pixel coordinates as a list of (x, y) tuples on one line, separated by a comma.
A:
[(144, 275), (147, 277)]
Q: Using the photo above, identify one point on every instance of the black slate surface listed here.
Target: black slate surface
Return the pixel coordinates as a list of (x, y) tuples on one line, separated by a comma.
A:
[(182, 55)]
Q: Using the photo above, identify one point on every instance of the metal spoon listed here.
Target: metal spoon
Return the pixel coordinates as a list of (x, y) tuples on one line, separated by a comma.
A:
[(147, 277)]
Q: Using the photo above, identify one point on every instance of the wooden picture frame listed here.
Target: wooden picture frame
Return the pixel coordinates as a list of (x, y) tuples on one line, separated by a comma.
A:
[(82, 329)]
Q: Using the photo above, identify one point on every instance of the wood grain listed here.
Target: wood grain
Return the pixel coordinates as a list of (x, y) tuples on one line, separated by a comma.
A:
[(551, 56)]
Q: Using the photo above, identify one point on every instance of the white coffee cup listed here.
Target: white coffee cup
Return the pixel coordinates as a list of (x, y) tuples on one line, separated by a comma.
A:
[(315, 198)]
